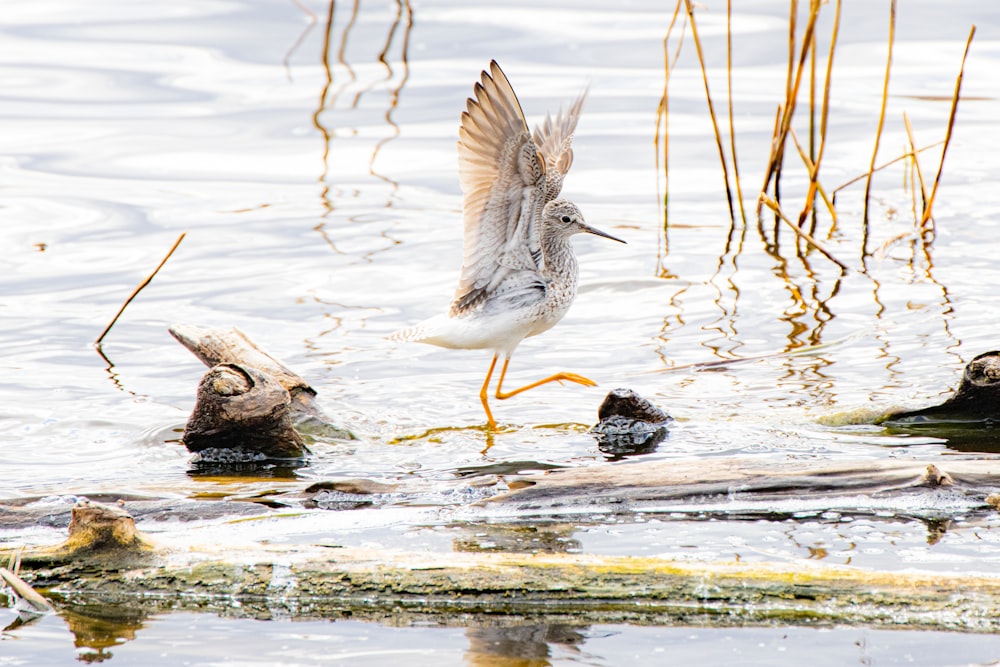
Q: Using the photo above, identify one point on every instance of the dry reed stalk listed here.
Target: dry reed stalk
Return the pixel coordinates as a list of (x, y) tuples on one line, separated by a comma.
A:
[(951, 125), (711, 108), (814, 185), (823, 121), (729, 93), (916, 165), (138, 289), (910, 180), (793, 13), (774, 206), (813, 6), (880, 168), (663, 112), (881, 115), (778, 142), (25, 591)]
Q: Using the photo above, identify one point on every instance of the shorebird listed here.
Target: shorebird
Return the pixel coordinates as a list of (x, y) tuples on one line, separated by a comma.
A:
[(519, 272)]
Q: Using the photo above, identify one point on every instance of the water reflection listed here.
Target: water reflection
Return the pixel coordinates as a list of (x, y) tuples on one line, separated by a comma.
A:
[(554, 538), (96, 630), (359, 79), (520, 645)]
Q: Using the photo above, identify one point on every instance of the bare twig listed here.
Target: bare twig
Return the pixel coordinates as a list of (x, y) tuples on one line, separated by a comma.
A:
[(880, 168), (138, 289)]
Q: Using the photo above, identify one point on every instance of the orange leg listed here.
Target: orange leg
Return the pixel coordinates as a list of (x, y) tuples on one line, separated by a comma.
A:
[(484, 391), (558, 377)]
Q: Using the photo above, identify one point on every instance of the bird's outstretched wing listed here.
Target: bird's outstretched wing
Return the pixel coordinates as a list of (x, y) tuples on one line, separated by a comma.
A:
[(553, 139), (504, 185)]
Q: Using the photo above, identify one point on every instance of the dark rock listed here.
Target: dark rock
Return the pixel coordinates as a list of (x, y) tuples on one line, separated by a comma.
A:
[(629, 425)]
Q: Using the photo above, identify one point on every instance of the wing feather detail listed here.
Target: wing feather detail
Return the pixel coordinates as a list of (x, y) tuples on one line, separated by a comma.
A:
[(553, 138), (503, 179)]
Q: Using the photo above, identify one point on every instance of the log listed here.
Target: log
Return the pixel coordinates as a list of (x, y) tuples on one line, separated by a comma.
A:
[(242, 411), (250, 406), (976, 401), (323, 580)]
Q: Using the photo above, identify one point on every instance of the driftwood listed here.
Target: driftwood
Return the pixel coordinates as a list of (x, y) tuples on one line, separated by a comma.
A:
[(250, 406), (529, 580), (756, 486), (232, 346), (240, 409), (976, 401)]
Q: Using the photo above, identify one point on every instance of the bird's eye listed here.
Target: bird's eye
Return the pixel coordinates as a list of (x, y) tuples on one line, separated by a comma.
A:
[(566, 218)]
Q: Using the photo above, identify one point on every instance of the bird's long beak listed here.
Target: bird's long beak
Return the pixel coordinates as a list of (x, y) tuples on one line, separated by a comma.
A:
[(598, 232)]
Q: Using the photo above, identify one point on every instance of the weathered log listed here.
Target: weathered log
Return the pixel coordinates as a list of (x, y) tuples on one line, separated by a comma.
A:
[(242, 411), (250, 407), (526, 579), (232, 346), (754, 486)]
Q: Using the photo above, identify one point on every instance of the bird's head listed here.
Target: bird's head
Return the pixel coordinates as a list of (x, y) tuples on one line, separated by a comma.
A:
[(563, 217)]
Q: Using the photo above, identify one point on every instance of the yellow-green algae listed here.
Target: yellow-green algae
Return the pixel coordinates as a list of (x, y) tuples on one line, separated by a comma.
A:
[(319, 582)]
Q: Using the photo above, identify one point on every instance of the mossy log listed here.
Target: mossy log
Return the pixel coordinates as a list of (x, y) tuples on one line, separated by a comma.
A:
[(317, 583), (326, 580)]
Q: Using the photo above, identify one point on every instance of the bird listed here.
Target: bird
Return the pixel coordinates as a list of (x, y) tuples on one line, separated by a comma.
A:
[(519, 273)]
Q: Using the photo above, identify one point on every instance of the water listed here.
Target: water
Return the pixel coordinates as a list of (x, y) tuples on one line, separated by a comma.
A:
[(322, 212), (166, 640)]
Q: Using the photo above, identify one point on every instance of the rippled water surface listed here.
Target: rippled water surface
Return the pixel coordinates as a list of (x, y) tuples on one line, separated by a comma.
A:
[(307, 151)]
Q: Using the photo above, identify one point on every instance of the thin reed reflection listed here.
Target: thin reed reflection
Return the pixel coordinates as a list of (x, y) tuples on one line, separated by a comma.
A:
[(341, 121)]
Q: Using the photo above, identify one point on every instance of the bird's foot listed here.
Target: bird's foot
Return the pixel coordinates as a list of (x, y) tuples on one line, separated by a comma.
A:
[(573, 377)]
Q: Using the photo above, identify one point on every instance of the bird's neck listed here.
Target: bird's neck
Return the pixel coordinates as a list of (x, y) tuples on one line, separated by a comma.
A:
[(560, 262)]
